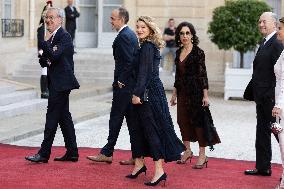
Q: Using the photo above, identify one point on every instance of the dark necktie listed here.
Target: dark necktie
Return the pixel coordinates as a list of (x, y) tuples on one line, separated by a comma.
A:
[(50, 40), (262, 43)]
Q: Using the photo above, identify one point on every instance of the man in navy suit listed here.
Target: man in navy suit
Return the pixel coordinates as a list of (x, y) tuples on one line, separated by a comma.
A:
[(71, 14), (57, 55), (125, 47), (263, 82)]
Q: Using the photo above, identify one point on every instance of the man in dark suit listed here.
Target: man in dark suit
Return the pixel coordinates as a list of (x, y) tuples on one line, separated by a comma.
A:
[(125, 47), (57, 55), (71, 14), (263, 82)]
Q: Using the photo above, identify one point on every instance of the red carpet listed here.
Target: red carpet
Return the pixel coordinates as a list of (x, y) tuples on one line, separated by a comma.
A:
[(17, 173)]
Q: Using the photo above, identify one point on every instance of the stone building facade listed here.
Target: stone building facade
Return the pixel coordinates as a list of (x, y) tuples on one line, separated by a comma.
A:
[(94, 30)]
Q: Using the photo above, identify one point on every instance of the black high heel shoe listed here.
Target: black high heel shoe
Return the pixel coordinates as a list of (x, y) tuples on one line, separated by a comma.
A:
[(143, 169), (162, 178)]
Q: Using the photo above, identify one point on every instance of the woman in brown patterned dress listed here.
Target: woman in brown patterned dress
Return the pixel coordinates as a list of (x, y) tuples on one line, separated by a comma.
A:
[(190, 93)]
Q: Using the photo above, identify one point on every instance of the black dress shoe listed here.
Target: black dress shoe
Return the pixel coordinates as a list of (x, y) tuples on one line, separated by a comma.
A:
[(44, 95), (67, 157), (37, 158), (267, 172)]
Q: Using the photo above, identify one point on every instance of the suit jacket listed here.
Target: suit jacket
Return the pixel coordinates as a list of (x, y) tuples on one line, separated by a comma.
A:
[(263, 77), (71, 18), (125, 48), (60, 53)]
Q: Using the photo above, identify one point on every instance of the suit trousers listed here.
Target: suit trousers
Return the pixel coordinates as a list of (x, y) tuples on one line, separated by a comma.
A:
[(71, 31), (263, 134), (58, 113), (121, 107)]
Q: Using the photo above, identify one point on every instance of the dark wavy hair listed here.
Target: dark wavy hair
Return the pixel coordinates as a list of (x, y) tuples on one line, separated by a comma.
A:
[(195, 40)]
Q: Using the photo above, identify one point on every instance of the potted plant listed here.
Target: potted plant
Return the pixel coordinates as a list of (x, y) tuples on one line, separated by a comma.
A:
[(234, 26)]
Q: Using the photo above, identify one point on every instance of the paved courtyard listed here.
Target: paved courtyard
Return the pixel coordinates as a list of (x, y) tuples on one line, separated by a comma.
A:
[(234, 119)]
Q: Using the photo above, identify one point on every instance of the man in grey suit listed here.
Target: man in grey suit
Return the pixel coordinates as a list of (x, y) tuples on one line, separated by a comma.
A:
[(263, 82)]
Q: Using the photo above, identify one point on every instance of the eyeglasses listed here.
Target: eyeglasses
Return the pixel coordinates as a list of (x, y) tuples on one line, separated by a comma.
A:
[(50, 18), (184, 33)]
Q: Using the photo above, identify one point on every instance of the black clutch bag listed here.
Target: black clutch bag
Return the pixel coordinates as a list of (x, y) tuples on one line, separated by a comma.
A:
[(248, 93), (210, 132), (145, 97)]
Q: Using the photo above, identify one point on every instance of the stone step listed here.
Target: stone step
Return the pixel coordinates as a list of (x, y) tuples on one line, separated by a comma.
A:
[(97, 60), (24, 72), (19, 108), (94, 74), (17, 96), (30, 67), (78, 68), (100, 81), (32, 123), (108, 68), (79, 73), (94, 64), (94, 54), (26, 78), (92, 78), (5, 89)]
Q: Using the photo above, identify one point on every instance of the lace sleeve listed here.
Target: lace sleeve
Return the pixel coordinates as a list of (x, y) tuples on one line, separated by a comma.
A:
[(202, 73), (280, 96), (177, 68)]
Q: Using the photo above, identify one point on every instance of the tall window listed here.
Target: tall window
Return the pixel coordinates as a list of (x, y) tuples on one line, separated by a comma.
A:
[(87, 19), (276, 6), (7, 9)]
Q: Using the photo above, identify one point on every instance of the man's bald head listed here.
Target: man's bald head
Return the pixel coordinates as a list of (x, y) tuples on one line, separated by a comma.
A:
[(267, 23)]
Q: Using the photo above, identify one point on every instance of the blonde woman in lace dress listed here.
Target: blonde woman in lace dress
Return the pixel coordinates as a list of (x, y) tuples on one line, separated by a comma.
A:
[(279, 96)]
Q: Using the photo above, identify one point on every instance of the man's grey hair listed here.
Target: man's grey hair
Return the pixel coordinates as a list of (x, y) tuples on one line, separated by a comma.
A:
[(272, 15), (60, 12), (123, 13)]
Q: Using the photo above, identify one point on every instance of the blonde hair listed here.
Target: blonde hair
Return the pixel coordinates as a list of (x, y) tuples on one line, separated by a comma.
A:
[(155, 32)]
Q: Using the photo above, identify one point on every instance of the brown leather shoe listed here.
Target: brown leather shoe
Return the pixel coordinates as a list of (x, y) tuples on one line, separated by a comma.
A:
[(100, 158), (127, 162)]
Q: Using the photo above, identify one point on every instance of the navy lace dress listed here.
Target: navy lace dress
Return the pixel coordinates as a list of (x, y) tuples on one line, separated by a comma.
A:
[(156, 136)]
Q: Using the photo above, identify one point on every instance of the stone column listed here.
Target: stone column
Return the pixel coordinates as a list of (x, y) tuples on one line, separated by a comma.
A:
[(282, 7), (32, 22)]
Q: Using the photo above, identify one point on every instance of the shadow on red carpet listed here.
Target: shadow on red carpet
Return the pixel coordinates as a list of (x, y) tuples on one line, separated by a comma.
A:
[(17, 173)]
